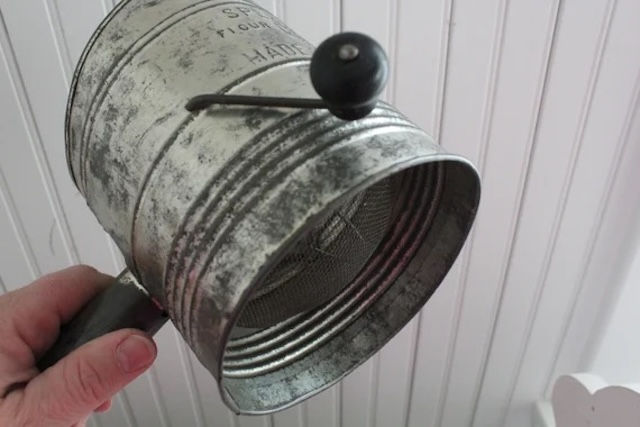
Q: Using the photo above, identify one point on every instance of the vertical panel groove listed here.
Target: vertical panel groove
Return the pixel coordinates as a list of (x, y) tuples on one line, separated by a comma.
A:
[(413, 355), (97, 422), (3, 288), (59, 39), (492, 85), (127, 409), (193, 387), (35, 141), (233, 419), (336, 13), (18, 228), (154, 385), (281, 10), (411, 369), (487, 113), (303, 415), (392, 42), (107, 5), (373, 393), (623, 140), (566, 186), (337, 404), (114, 252), (187, 370), (444, 67), (554, 23)]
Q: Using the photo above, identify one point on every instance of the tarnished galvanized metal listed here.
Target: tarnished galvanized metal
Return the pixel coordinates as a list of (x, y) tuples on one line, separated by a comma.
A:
[(204, 205)]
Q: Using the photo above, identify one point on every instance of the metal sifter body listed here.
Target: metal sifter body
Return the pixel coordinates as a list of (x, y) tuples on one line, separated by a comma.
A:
[(286, 245)]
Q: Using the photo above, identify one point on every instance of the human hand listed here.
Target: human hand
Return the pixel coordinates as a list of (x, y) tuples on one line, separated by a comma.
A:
[(83, 382)]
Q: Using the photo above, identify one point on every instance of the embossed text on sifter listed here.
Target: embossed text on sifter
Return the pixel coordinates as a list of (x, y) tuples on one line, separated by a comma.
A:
[(266, 203)]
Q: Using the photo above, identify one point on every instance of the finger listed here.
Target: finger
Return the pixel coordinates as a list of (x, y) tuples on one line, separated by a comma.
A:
[(88, 377), (48, 303), (105, 407)]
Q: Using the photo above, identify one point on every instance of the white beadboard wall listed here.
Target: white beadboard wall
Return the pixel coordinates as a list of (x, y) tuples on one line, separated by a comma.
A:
[(541, 94)]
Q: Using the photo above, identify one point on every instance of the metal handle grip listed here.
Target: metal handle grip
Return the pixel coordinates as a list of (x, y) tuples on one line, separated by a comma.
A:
[(124, 304)]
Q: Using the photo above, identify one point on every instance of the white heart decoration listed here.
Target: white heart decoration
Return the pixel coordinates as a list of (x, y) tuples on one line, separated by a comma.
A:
[(586, 400)]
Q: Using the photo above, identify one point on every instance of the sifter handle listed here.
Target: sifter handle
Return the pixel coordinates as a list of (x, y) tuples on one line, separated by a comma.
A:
[(124, 304)]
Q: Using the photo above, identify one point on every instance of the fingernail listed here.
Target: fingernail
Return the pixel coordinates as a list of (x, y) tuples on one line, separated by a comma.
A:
[(135, 353)]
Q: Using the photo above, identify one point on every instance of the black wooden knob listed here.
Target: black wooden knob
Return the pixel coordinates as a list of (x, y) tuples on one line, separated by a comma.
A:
[(349, 71)]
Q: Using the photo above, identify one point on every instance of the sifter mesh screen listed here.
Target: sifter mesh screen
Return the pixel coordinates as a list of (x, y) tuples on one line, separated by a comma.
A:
[(325, 260)]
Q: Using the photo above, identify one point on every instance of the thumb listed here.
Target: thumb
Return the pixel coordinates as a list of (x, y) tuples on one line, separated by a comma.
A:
[(81, 382)]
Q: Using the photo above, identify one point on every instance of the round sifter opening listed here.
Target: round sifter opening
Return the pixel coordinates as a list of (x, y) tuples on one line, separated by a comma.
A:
[(326, 259), (400, 236), (334, 273)]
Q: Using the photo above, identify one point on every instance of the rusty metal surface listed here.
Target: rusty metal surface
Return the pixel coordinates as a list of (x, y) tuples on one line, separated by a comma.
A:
[(204, 204)]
